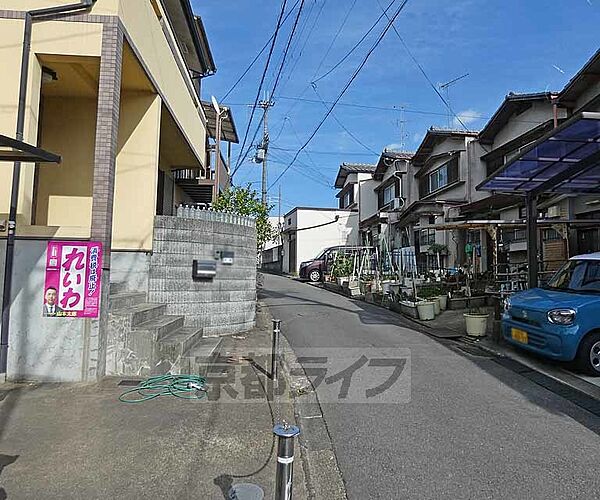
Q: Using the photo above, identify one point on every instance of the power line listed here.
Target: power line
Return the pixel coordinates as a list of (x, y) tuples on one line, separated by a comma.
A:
[(356, 45), (287, 48), (356, 139), (241, 77), (339, 30), (346, 87), (262, 80), (335, 37), (435, 89), (308, 37), (312, 151)]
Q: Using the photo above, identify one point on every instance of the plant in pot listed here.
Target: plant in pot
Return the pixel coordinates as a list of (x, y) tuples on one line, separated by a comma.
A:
[(476, 322), (341, 269), (431, 294)]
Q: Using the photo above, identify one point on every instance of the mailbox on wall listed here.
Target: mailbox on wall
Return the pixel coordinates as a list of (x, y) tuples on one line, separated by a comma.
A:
[(204, 269), (227, 258)]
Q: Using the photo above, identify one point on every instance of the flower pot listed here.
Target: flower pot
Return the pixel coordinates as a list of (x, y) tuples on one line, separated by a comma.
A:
[(443, 302), (476, 324), (341, 280), (436, 305), (426, 310)]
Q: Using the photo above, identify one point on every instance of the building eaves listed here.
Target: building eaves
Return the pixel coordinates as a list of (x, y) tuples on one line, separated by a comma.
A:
[(583, 78), (433, 136), (387, 159), (190, 36), (513, 103), (352, 168)]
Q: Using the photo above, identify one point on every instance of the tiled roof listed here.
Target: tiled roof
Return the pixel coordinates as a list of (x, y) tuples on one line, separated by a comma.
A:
[(352, 168)]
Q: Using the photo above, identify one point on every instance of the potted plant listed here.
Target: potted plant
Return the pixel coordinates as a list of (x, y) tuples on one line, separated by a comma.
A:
[(426, 310), (476, 322), (443, 298)]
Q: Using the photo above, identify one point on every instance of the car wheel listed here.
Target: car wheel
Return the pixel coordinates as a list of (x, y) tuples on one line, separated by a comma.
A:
[(314, 275), (588, 355)]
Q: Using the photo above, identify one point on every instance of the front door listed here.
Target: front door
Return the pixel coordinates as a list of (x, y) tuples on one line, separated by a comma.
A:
[(292, 254)]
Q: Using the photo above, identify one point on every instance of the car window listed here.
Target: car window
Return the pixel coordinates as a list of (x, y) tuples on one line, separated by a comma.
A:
[(591, 278)]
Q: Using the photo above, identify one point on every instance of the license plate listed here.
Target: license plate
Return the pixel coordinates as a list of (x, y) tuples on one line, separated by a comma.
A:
[(519, 335)]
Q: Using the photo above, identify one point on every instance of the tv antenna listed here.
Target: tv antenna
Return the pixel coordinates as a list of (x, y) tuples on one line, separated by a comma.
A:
[(445, 87)]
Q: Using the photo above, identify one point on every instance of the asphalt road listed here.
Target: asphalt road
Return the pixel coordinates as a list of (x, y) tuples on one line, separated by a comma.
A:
[(470, 428)]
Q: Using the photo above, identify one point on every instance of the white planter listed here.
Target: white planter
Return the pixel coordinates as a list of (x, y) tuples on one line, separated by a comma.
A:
[(436, 305), (443, 302), (340, 281), (426, 310), (476, 324), (385, 286)]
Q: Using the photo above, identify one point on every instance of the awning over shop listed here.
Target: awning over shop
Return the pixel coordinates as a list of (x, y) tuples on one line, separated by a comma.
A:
[(565, 160), (13, 150)]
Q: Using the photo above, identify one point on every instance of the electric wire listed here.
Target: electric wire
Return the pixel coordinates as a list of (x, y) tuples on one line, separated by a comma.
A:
[(334, 116), (257, 57), (422, 70), (356, 45), (346, 87), (262, 80)]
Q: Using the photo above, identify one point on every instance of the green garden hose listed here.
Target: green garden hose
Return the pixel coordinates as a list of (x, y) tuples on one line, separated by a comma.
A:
[(180, 386)]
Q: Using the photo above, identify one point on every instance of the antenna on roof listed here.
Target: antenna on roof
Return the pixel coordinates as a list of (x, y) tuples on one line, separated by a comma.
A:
[(446, 87)]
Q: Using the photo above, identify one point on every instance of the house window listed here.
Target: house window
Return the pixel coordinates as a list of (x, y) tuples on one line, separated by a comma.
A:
[(347, 198), (388, 193), (427, 237), (439, 178)]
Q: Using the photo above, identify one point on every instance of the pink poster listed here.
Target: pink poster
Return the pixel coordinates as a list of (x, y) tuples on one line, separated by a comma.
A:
[(72, 288)]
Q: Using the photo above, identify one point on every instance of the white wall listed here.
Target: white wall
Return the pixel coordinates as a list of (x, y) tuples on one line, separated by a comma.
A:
[(310, 242)]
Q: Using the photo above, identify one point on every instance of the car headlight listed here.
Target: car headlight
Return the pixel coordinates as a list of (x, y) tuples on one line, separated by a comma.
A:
[(561, 316)]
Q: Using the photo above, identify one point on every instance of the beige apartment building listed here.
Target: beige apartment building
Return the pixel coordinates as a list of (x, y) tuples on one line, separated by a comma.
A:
[(113, 87)]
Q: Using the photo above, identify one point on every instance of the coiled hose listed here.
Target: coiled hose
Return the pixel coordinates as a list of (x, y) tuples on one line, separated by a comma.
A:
[(180, 386)]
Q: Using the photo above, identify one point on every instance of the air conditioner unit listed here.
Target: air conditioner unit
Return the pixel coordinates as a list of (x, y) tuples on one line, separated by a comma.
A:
[(383, 215), (554, 211), (397, 204)]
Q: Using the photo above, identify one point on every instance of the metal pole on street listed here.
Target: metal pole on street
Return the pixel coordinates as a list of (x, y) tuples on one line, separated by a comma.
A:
[(275, 348), (284, 479)]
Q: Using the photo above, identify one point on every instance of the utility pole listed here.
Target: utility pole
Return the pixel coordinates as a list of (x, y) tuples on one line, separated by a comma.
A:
[(261, 154)]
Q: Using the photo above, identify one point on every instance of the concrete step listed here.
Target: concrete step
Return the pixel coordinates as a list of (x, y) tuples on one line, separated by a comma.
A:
[(160, 327), (202, 355), (122, 300), (142, 313), (180, 341), (118, 287)]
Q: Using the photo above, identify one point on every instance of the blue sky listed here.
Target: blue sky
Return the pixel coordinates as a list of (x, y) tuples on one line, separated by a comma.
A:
[(504, 46)]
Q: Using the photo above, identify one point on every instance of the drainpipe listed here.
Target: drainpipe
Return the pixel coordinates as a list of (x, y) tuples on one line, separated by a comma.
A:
[(30, 16)]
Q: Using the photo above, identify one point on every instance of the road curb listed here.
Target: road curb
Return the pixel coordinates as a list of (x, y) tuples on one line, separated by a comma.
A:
[(323, 476)]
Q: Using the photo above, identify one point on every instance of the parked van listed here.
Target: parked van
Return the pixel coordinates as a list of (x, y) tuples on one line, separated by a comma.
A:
[(560, 320), (314, 270)]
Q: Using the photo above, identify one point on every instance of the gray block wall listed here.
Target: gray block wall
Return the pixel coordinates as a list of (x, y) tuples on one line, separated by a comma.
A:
[(227, 303)]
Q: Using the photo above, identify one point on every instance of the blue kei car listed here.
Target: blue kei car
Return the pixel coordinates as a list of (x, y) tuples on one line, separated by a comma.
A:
[(560, 320)]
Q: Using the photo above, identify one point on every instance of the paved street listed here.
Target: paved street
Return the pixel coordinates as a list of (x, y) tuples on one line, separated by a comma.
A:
[(472, 429)]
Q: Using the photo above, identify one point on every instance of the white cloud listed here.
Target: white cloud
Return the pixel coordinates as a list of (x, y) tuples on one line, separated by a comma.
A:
[(466, 117)]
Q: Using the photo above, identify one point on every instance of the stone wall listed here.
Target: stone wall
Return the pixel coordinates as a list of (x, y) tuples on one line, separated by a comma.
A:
[(223, 305)]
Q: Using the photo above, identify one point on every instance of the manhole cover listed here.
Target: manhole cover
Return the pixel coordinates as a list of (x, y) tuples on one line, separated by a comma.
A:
[(246, 491)]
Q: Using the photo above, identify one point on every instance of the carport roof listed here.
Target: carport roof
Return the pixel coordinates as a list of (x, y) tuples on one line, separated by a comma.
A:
[(13, 150), (565, 160)]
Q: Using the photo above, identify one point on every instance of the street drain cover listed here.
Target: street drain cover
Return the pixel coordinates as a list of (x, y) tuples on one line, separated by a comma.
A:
[(246, 491)]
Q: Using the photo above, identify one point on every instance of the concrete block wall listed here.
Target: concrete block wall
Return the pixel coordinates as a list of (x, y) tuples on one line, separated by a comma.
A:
[(227, 303)]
